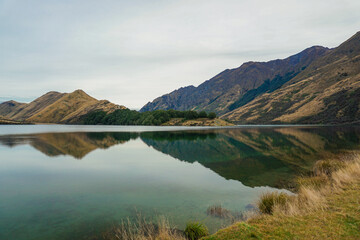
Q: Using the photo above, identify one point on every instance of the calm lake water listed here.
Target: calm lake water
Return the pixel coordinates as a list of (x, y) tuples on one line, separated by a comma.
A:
[(74, 182)]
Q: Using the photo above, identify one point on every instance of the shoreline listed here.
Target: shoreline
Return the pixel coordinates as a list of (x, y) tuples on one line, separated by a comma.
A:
[(312, 212)]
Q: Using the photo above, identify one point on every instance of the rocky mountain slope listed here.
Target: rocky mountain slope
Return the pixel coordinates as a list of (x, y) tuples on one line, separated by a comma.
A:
[(327, 91), (55, 107), (219, 93), (318, 85)]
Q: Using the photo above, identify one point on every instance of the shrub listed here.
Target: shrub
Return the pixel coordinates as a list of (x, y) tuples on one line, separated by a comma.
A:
[(269, 200), (195, 230)]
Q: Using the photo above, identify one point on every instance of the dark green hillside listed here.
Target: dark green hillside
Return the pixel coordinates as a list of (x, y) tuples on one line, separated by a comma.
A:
[(132, 117), (267, 87)]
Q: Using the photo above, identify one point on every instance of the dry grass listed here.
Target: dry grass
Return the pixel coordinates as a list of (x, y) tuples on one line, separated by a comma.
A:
[(143, 229), (325, 207), (270, 200), (218, 211), (329, 177)]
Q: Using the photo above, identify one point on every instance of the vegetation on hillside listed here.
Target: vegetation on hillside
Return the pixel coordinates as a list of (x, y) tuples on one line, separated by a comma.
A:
[(132, 117), (267, 87)]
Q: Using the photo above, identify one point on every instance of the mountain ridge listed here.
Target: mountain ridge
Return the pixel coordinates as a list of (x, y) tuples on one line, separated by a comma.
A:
[(246, 94), (328, 91), (56, 107), (219, 92)]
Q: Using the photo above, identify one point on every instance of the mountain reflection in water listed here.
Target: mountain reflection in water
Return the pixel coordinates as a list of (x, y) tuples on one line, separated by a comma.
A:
[(254, 156)]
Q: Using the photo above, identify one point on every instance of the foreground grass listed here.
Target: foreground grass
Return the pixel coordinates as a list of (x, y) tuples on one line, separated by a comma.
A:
[(331, 211)]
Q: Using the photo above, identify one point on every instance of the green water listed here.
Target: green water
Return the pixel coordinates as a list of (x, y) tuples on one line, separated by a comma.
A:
[(75, 182)]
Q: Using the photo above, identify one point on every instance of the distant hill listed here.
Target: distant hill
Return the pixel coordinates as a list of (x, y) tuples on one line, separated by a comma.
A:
[(55, 107), (317, 85)]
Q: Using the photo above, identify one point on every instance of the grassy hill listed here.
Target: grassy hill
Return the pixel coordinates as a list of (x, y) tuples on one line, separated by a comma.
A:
[(55, 107)]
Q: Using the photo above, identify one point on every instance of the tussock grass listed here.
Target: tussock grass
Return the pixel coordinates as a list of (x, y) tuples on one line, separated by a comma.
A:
[(329, 176), (326, 206), (143, 229), (328, 166), (315, 182), (268, 201), (195, 230)]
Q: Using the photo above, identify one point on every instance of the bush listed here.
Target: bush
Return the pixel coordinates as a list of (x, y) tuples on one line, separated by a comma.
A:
[(269, 200), (195, 230)]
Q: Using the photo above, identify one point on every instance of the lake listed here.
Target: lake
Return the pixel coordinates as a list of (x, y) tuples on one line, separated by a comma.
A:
[(75, 182)]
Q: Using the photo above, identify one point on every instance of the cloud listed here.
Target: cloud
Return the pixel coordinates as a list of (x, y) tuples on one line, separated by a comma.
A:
[(130, 52)]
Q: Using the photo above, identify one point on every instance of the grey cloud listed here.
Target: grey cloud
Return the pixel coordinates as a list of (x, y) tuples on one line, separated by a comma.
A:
[(133, 51)]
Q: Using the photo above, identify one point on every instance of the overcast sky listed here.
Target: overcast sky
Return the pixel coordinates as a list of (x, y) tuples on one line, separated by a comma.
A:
[(131, 52)]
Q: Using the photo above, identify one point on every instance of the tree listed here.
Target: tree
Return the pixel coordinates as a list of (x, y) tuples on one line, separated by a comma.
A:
[(203, 114), (191, 115), (212, 115)]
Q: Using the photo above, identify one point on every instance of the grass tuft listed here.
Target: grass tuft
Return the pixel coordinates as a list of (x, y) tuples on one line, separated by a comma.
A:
[(195, 230), (144, 229), (268, 201), (315, 182), (328, 166)]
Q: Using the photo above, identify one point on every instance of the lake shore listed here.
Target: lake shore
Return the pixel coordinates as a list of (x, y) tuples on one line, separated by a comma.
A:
[(321, 210), (326, 206), (206, 122)]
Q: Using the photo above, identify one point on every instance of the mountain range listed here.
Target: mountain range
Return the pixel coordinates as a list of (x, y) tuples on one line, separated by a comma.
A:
[(317, 85), (55, 107)]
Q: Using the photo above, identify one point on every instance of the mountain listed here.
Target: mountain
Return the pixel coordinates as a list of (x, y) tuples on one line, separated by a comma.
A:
[(327, 91), (317, 85), (8, 121), (223, 90), (10, 107), (55, 107)]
